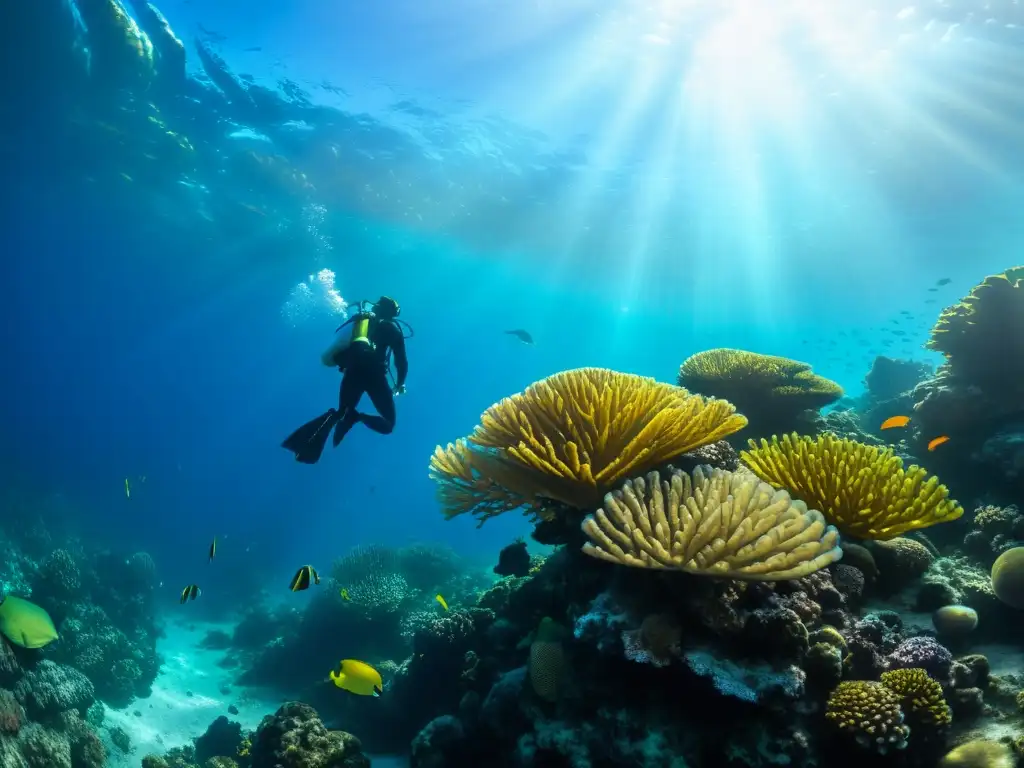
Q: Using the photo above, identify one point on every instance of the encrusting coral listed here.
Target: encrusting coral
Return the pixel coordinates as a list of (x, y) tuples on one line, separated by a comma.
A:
[(862, 490), (771, 391), (571, 438), (718, 523)]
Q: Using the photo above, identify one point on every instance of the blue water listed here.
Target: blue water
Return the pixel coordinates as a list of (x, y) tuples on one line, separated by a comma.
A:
[(599, 173), (622, 224)]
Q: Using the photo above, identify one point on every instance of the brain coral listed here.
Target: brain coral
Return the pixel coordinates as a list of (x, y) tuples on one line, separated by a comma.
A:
[(1008, 577), (718, 523), (571, 438), (861, 489)]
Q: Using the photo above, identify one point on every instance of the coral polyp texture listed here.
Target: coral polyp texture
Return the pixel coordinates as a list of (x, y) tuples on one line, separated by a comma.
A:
[(772, 391), (717, 523), (973, 337), (863, 490), (870, 713), (921, 696), (571, 438)]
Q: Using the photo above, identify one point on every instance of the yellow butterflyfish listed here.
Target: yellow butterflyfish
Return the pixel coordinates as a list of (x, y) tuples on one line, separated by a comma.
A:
[(359, 678), (441, 600)]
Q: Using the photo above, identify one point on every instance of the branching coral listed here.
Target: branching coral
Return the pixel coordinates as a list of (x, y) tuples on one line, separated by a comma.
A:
[(370, 577), (921, 697), (772, 391), (870, 713), (718, 523), (571, 438), (973, 337), (864, 491)]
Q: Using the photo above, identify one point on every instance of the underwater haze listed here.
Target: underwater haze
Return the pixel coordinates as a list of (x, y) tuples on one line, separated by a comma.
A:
[(198, 194)]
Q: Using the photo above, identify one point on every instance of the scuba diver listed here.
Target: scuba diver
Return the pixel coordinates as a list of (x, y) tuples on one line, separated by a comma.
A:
[(362, 350)]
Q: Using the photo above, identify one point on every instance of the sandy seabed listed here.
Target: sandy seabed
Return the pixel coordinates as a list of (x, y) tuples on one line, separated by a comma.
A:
[(190, 692)]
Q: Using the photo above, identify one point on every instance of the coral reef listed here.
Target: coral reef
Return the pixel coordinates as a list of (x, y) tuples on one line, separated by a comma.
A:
[(862, 490), (294, 737), (776, 394), (716, 523), (571, 438), (870, 713)]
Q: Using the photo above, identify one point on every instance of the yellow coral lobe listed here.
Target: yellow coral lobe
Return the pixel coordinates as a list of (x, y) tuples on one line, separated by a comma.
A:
[(868, 712), (750, 380), (863, 490), (921, 697), (571, 438), (717, 523), (979, 754)]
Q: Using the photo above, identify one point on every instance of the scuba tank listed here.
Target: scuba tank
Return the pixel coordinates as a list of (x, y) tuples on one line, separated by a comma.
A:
[(347, 338)]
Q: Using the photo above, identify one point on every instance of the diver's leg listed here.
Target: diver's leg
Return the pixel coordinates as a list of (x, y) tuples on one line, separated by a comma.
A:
[(384, 401), (349, 395)]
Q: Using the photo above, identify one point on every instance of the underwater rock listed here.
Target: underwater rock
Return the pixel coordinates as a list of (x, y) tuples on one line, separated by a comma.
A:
[(656, 642), (221, 739), (971, 671), (294, 737), (11, 713), (849, 582), (746, 682), (43, 747), (900, 561), (121, 54), (10, 669), (889, 378), (924, 653), (776, 633), (437, 745), (513, 560), (170, 51), (955, 580), (50, 689), (502, 711), (824, 666), (859, 557), (994, 530)]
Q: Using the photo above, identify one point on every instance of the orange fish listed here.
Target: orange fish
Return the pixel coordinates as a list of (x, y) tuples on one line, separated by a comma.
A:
[(895, 421), (935, 442)]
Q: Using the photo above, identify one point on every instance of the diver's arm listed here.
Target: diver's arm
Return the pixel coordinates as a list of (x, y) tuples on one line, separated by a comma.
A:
[(401, 360)]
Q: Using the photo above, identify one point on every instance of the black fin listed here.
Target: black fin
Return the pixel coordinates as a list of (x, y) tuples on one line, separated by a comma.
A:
[(308, 441), (344, 425)]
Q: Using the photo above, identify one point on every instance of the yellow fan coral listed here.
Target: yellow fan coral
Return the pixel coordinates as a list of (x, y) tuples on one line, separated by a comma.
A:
[(920, 696), (870, 713), (861, 489), (720, 523), (972, 334), (571, 438), (750, 379)]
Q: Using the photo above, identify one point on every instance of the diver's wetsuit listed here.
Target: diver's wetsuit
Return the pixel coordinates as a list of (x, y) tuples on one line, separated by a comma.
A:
[(365, 371)]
